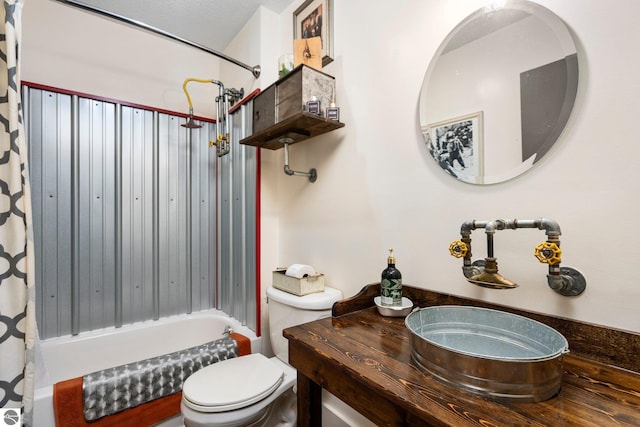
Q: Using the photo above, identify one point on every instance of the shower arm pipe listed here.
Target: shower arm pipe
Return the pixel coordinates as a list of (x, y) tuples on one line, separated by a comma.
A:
[(222, 102), (255, 70), (224, 142), (186, 92)]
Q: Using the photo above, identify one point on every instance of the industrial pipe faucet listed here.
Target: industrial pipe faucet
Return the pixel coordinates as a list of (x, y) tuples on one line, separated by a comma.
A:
[(564, 280)]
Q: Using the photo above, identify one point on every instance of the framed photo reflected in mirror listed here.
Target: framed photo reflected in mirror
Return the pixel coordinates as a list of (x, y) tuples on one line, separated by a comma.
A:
[(456, 145)]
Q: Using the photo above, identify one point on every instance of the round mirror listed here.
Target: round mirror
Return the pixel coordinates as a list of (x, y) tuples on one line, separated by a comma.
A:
[(498, 92)]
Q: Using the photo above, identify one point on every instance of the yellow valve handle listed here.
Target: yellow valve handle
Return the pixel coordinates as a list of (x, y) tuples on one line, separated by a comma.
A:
[(216, 143), (458, 248), (548, 253)]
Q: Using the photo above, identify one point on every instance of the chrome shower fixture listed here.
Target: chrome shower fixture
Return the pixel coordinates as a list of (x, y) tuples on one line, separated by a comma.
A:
[(225, 98), (235, 95), (564, 280), (191, 124)]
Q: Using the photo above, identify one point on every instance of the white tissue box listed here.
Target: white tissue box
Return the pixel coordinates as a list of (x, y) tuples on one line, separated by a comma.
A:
[(293, 285)]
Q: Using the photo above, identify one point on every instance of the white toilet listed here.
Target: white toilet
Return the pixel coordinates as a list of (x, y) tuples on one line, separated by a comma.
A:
[(254, 390)]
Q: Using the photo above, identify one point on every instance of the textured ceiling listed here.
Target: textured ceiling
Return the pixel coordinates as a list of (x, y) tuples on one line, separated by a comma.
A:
[(212, 23)]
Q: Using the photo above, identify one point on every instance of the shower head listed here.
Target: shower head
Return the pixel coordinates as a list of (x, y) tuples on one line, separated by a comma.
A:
[(191, 124)]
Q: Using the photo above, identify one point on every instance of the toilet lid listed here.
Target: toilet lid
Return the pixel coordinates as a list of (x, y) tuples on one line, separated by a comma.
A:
[(232, 384)]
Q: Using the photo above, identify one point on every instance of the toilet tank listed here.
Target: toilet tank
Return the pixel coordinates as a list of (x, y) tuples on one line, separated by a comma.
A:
[(287, 310)]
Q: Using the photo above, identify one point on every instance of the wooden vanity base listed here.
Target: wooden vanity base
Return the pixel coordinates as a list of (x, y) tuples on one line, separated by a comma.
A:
[(364, 359)]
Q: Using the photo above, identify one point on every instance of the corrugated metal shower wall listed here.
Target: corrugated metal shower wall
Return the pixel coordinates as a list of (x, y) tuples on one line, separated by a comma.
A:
[(124, 204)]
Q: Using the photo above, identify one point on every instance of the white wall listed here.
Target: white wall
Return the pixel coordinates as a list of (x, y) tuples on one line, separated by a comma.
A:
[(71, 49), (377, 186)]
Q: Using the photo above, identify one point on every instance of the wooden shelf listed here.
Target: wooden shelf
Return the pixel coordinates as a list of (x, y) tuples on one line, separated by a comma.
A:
[(296, 128)]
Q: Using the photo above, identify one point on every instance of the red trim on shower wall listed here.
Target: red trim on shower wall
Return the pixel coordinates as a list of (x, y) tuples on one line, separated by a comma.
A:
[(114, 101), (134, 105), (258, 240), (246, 99), (216, 300)]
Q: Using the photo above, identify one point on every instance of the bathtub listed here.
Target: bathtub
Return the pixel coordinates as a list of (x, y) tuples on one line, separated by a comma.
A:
[(67, 357)]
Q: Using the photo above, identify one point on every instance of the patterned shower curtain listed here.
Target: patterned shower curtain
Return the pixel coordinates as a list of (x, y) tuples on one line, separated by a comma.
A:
[(17, 292)]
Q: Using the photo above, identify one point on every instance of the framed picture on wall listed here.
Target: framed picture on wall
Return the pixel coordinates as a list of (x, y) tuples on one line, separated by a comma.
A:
[(456, 145), (314, 19)]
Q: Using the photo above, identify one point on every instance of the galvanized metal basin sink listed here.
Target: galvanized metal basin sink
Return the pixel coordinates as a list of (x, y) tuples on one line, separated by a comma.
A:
[(496, 354)]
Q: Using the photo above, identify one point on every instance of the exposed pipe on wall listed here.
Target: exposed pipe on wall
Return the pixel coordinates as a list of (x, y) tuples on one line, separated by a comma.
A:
[(564, 280), (255, 70)]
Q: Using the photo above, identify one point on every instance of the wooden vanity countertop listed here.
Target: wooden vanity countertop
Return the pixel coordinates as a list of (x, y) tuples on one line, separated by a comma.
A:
[(364, 359)]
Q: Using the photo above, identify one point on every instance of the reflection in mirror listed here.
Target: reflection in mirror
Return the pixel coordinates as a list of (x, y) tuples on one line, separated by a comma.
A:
[(498, 92)]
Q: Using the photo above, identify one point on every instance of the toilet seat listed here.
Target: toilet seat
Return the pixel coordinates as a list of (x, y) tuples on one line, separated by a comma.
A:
[(232, 384)]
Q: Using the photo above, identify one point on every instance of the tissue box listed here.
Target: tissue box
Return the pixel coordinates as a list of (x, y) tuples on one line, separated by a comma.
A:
[(293, 285)]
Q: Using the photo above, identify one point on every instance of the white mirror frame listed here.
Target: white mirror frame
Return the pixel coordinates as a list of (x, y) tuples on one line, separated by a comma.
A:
[(507, 92)]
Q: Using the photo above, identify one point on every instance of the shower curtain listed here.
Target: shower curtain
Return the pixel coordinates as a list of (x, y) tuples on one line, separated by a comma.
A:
[(17, 291)]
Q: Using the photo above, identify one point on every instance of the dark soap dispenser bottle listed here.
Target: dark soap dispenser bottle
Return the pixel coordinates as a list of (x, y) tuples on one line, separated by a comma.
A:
[(391, 284)]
